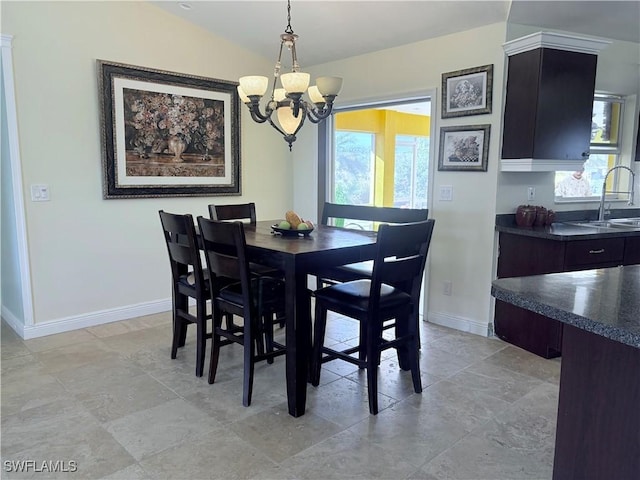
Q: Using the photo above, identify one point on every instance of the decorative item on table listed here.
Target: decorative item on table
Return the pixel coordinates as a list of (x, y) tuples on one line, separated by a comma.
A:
[(287, 102), (293, 225), (525, 215)]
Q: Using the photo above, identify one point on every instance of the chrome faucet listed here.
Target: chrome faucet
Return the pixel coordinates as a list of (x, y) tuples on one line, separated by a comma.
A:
[(632, 182)]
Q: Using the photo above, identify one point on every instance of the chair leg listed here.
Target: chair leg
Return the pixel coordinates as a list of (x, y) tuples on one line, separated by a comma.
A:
[(179, 335), (373, 334), (414, 353), (180, 304), (215, 347), (319, 328), (267, 323), (362, 351), (201, 336), (249, 361)]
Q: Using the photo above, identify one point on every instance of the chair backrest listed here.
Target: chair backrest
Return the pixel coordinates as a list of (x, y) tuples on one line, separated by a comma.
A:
[(401, 254), (344, 215), (182, 246), (240, 211), (224, 246)]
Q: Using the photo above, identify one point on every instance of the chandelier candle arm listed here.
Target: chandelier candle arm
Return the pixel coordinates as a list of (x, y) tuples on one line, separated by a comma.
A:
[(287, 100)]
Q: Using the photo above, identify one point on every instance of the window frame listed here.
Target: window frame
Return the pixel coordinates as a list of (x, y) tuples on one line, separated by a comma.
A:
[(612, 149)]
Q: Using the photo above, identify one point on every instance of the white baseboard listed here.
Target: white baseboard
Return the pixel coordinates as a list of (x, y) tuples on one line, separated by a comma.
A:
[(86, 320), (158, 306), (13, 321), (460, 323)]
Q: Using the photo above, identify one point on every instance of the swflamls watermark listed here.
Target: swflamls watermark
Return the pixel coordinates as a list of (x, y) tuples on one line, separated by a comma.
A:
[(39, 466)]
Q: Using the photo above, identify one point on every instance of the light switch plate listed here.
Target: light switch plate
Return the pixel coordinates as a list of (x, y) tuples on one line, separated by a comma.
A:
[(446, 193), (40, 193)]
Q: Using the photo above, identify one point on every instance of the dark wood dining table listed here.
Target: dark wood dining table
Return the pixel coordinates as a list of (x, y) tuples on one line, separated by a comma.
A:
[(298, 257)]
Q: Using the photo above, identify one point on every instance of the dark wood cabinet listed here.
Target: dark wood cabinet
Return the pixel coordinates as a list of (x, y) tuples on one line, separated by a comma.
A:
[(548, 105), (632, 251), (521, 255)]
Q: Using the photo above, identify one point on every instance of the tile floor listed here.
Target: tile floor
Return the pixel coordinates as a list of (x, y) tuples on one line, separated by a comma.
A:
[(110, 399)]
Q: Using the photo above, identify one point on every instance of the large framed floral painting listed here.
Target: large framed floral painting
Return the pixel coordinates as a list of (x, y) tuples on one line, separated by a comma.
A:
[(166, 134), (464, 148), (467, 92)]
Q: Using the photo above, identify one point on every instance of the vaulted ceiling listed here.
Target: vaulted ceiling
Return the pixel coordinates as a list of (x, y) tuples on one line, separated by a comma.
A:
[(335, 29)]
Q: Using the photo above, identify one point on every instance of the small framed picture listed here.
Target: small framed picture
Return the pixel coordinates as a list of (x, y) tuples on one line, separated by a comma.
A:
[(464, 148), (467, 92)]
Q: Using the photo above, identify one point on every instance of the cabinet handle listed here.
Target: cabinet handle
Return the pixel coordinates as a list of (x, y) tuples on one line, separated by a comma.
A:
[(595, 252)]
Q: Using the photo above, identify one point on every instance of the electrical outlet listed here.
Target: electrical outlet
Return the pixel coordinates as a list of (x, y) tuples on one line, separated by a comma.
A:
[(447, 285), (531, 193)]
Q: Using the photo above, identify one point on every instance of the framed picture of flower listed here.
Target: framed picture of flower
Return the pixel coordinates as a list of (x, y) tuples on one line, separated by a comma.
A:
[(167, 134), (467, 92), (464, 148)]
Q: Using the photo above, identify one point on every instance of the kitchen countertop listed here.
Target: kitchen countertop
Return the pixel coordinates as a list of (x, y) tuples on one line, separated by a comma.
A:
[(562, 231), (603, 301)]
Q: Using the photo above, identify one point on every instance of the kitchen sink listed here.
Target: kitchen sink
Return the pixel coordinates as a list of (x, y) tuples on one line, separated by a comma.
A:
[(630, 224)]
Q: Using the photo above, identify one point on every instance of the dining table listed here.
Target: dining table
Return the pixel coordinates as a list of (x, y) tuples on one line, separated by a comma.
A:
[(299, 255)]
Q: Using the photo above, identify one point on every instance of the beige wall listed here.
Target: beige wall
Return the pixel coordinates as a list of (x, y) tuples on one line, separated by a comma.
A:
[(92, 259), (463, 241)]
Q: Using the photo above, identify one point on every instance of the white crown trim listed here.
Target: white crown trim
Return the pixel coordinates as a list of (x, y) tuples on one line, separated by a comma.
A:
[(557, 41), (538, 165)]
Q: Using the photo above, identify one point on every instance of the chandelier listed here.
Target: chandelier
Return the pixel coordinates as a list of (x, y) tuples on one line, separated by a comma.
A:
[(286, 100)]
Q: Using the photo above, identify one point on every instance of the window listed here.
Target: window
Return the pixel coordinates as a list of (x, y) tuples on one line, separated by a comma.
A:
[(354, 168), (586, 184), (411, 172), (381, 154)]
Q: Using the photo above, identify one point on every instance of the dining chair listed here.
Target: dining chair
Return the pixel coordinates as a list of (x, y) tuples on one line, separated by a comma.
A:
[(240, 211), (257, 299), (351, 216), (244, 212), (188, 280), (392, 293)]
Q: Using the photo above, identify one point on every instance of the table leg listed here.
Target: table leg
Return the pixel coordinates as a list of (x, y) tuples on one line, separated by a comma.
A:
[(298, 335)]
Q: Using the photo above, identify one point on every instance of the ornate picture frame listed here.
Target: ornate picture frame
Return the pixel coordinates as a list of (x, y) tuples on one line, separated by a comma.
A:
[(166, 134), (467, 92), (464, 148)]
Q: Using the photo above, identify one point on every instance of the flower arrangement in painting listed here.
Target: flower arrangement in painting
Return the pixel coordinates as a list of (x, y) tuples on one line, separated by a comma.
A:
[(152, 119), (466, 94), (465, 149)]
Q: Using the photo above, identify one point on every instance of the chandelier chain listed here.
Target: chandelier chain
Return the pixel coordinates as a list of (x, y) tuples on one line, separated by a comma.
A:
[(288, 29)]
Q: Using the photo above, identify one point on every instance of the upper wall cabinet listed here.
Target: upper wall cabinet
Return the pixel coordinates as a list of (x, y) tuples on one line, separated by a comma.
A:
[(549, 100)]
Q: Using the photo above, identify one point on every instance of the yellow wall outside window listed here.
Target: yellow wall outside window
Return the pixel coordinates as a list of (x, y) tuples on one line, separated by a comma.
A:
[(386, 125)]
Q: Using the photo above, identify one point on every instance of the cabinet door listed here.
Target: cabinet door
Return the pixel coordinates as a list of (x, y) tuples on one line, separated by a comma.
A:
[(521, 255), (548, 105), (598, 253), (565, 105), (632, 251), (528, 330)]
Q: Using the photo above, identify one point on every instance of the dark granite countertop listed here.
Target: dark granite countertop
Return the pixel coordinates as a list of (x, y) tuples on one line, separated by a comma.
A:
[(603, 301), (563, 231)]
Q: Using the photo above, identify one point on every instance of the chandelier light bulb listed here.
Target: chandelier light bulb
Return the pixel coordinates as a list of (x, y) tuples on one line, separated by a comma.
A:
[(295, 82), (279, 94), (329, 85), (243, 96), (315, 95), (287, 121), (254, 85)]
